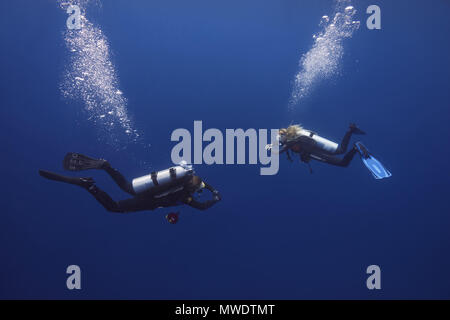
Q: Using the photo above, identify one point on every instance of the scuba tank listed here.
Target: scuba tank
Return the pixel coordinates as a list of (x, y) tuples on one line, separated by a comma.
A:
[(164, 181), (321, 143)]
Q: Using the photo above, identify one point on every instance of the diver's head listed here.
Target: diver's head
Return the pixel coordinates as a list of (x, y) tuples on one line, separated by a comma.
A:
[(196, 184), (292, 132), (282, 135)]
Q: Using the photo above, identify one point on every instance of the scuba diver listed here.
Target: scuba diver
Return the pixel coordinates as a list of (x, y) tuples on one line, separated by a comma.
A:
[(171, 187), (311, 146)]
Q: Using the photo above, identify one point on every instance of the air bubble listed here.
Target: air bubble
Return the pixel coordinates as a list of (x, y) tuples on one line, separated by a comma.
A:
[(98, 87), (323, 59), (324, 20), (350, 11)]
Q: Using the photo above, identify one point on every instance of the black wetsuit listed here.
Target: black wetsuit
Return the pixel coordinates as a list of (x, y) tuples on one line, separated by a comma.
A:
[(145, 201), (183, 194), (309, 150)]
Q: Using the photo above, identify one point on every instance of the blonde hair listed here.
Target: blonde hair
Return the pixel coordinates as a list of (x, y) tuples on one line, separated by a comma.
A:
[(290, 133)]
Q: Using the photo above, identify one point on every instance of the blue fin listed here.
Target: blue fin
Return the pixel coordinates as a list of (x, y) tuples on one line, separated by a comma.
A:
[(375, 167)]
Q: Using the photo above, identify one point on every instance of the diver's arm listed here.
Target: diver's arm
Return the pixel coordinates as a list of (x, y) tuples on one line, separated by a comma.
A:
[(199, 205), (216, 195), (209, 187), (289, 156), (283, 148), (190, 201)]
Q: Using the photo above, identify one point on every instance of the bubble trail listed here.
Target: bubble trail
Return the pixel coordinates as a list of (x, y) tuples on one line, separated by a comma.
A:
[(322, 61), (92, 78)]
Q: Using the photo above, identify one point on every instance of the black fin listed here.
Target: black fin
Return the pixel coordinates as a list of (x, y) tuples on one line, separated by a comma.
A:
[(82, 182), (77, 162)]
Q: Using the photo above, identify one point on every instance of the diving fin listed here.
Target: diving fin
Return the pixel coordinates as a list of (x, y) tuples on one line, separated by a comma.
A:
[(375, 167), (77, 162), (82, 182)]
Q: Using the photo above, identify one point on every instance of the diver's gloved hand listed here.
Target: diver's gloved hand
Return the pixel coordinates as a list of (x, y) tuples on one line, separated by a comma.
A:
[(216, 196)]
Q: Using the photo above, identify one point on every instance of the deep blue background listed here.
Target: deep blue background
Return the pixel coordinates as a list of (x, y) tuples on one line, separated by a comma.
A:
[(230, 64)]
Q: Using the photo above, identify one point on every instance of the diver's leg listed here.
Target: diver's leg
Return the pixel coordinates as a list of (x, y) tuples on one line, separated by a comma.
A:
[(353, 129), (344, 143), (89, 185), (348, 157), (122, 206), (118, 178), (336, 161), (104, 199)]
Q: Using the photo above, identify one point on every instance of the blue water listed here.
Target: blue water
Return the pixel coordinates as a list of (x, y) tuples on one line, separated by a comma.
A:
[(231, 64)]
